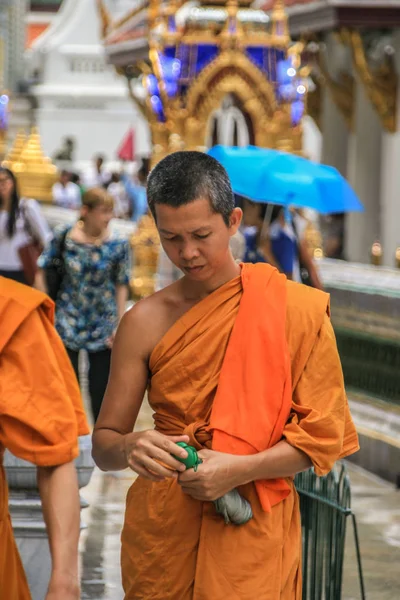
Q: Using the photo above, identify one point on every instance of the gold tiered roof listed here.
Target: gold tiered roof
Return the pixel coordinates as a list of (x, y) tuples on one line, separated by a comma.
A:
[(34, 171), (16, 150)]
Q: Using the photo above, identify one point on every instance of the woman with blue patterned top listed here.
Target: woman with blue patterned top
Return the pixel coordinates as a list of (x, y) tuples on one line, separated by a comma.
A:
[(94, 289)]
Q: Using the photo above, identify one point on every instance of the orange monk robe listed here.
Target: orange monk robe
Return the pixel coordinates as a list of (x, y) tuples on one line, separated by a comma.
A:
[(41, 412), (176, 548)]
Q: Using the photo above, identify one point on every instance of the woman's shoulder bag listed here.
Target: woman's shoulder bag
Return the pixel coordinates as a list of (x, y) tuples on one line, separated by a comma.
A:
[(55, 270)]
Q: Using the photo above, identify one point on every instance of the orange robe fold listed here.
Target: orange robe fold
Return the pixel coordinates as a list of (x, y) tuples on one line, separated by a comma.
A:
[(41, 411), (254, 396), (176, 548)]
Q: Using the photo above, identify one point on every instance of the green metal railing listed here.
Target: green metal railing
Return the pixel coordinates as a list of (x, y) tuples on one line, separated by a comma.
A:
[(325, 504)]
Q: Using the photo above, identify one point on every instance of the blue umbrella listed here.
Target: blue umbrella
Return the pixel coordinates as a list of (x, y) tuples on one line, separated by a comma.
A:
[(264, 175)]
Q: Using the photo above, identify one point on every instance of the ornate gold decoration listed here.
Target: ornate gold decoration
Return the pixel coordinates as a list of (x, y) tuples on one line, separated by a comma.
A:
[(230, 73), (313, 238), (280, 27), (35, 172), (105, 17), (16, 150), (146, 248), (397, 258), (182, 120), (131, 14), (380, 85), (232, 33), (376, 253), (342, 90)]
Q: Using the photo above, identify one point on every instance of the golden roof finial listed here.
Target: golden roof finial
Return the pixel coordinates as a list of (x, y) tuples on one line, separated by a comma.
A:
[(106, 20), (233, 27), (32, 155), (35, 172), (280, 26), (16, 150)]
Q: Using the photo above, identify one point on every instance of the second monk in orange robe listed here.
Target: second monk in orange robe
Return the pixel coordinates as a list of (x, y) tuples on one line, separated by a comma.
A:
[(41, 416)]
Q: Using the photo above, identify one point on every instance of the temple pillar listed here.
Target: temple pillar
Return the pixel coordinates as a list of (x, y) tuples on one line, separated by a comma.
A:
[(336, 135), (390, 205), (390, 182), (364, 165)]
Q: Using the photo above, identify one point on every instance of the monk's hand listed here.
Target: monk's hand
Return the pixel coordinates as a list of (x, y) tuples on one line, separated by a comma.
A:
[(150, 454), (218, 474)]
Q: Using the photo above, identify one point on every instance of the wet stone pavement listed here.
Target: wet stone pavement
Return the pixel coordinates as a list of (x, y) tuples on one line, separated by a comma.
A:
[(375, 503)]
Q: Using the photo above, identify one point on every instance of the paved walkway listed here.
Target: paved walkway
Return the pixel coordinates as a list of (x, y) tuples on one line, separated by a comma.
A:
[(376, 505)]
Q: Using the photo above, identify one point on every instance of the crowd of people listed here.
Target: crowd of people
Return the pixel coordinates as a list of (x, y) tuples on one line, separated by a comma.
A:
[(128, 193), (95, 264)]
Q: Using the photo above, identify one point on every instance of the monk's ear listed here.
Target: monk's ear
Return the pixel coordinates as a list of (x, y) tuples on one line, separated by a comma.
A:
[(235, 220)]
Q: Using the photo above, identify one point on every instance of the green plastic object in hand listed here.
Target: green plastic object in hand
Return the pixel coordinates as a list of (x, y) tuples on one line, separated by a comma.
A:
[(192, 461)]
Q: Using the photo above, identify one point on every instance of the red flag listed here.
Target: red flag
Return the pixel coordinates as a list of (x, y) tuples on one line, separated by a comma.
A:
[(127, 149)]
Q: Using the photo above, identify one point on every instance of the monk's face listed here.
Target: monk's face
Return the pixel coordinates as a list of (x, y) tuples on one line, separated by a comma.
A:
[(195, 238)]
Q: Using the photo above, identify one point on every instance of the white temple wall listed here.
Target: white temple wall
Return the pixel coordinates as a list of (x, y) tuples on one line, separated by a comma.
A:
[(79, 94)]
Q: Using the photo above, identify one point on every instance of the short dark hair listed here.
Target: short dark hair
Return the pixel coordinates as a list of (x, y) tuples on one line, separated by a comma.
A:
[(183, 177)]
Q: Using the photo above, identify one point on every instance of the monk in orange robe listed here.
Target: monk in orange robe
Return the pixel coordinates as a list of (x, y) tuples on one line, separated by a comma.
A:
[(41, 416), (239, 363)]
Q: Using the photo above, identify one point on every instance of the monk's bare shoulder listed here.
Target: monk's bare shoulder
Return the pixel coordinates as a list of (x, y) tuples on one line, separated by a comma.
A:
[(150, 318)]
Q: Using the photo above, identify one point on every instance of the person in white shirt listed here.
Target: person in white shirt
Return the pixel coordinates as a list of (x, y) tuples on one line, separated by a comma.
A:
[(66, 193), (96, 175), (116, 189), (21, 223)]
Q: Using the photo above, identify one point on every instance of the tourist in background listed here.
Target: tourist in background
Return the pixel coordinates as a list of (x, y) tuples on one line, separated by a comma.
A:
[(122, 206), (289, 247), (94, 289), (96, 175), (255, 232), (76, 178), (66, 193), (136, 192), (23, 229)]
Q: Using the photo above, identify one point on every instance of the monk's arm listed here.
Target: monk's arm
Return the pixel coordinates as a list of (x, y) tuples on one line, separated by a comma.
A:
[(115, 445), (40, 281), (222, 472), (58, 488), (124, 396), (282, 460)]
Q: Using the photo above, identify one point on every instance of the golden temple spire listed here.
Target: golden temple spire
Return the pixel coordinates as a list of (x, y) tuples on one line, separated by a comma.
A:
[(35, 172), (15, 151), (280, 26), (32, 154)]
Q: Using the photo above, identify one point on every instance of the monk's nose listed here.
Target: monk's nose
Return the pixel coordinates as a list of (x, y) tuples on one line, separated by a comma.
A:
[(189, 252)]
